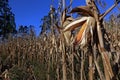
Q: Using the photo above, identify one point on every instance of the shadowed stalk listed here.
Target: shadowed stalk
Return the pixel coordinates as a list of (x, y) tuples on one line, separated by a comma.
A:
[(64, 61), (98, 69), (73, 76), (57, 72), (48, 69), (82, 66), (63, 52), (90, 67)]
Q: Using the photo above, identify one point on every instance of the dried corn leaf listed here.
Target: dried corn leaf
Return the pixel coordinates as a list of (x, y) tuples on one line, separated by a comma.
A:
[(88, 2), (63, 16), (82, 10), (69, 19), (108, 65), (106, 61)]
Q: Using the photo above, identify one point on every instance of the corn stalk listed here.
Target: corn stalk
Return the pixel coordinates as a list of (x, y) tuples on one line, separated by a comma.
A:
[(93, 12)]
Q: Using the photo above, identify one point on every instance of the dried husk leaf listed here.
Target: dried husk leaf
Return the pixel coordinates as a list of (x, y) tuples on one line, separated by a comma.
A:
[(80, 33), (67, 34), (76, 23)]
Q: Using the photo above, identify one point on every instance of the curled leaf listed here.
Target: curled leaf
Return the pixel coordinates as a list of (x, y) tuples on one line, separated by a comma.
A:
[(82, 10)]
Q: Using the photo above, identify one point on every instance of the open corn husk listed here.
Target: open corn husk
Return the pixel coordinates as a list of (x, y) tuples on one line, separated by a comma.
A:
[(87, 25)]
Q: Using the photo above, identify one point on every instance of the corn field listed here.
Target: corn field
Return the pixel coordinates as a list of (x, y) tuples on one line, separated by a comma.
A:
[(52, 57), (42, 59)]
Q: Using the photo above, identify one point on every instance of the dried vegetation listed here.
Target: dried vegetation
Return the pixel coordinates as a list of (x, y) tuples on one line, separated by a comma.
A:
[(49, 57)]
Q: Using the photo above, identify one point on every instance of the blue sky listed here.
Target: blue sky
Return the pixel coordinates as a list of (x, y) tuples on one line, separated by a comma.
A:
[(30, 12)]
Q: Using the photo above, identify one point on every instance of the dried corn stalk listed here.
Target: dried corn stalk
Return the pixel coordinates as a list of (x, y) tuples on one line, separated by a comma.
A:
[(90, 19)]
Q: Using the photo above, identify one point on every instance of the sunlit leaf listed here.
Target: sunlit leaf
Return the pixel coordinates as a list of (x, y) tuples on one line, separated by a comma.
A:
[(75, 23)]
